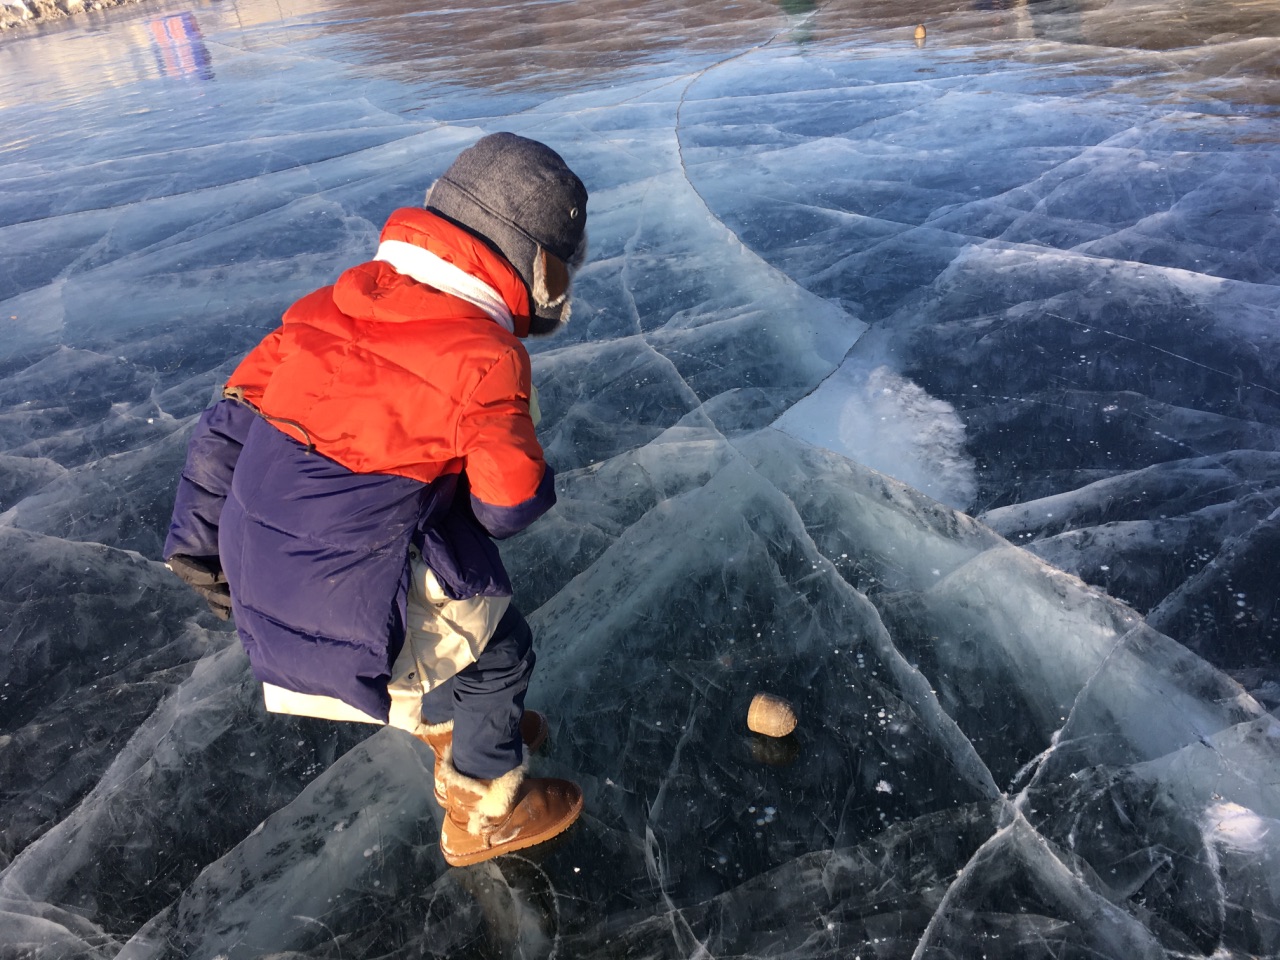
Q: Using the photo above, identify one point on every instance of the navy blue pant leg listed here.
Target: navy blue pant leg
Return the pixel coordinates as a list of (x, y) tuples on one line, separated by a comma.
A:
[(437, 706), (486, 701)]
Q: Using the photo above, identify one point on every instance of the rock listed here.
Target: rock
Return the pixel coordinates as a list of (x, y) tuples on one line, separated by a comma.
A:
[(771, 715)]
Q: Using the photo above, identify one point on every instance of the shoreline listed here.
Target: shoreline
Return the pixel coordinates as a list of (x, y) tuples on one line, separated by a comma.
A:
[(22, 13)]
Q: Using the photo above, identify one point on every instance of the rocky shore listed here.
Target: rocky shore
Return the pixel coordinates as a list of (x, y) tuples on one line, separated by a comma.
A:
[(18, 13)]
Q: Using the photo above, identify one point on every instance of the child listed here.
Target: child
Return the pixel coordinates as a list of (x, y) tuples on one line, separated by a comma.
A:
[(342, 498)]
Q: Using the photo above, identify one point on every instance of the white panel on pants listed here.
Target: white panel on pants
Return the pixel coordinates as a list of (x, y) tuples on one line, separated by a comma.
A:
[(442, 637)]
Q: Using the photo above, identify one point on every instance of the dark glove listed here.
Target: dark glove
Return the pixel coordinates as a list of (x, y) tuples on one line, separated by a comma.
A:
[(204, 576)]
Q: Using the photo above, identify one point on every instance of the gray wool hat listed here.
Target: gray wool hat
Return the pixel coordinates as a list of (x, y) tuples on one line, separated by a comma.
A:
[(519, 195)]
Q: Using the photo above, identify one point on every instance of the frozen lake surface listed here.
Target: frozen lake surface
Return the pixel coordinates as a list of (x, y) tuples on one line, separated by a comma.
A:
[(928, 382)]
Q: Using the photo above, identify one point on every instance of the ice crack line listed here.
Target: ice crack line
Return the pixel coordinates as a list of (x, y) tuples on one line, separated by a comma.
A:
[(684, 99), (1238, 377), (912, 683), (1035, 766), (624, 274), (681, 932), (915, 687), (555, 902)]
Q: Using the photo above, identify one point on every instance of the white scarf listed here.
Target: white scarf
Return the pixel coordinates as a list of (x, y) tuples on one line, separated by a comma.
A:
[(425, 267)]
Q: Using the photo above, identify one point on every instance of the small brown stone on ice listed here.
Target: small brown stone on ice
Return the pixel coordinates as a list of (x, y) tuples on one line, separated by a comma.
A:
[(920, 33), (770, 715)]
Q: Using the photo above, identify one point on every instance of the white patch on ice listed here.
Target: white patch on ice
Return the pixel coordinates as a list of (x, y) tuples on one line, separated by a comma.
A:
[(884, 421), (1235, 826), (884, 787)]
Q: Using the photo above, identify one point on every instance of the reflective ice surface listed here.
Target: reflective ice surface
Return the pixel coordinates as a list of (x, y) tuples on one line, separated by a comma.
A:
[(930, 383)]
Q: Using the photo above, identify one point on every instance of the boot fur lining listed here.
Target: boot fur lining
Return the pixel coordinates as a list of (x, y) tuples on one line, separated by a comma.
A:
[(500, 798), (437, 729), (495, 798)]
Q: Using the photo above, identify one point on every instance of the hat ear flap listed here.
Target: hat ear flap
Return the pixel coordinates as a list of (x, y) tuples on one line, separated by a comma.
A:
[(550, 279)]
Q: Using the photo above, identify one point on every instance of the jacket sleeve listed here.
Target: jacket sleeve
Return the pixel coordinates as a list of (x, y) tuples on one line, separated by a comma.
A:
[(511, 484), (212, 453)]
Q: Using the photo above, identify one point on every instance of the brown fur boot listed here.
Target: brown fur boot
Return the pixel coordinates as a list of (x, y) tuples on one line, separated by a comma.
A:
[(487, 818), (533, 732)]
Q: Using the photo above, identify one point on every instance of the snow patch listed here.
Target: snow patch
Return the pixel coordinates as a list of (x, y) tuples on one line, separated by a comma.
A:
[(886, 421)]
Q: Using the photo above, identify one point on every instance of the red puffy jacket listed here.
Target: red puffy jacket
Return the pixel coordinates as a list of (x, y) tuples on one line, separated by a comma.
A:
[(386, 375)]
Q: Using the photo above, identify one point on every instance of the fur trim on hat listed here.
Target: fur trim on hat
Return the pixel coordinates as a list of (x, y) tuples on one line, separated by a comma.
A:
[(552, 283), (550, 280)]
